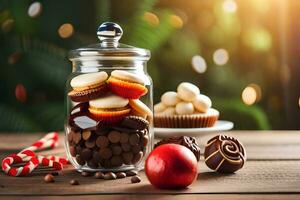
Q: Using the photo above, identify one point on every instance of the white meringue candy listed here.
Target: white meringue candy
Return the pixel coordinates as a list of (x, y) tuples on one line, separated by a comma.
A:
[(184, 108), (187, 91), (170, 98), (202, 103)]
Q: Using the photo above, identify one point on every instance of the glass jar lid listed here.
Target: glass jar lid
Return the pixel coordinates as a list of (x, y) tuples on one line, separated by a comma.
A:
[(109, 47)]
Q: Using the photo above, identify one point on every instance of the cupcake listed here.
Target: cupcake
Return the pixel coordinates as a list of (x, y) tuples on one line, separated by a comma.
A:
[(186, 108)]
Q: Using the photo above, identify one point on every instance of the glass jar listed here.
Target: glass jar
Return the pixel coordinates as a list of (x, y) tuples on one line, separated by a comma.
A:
[(109, 122)]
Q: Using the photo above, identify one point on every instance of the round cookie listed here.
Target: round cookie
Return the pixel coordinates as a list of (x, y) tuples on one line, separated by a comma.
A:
[(202, 103), (88, 86), (187, 91), (140, 107), (159, 107), (126, 84), (170, 98), (184, 108), (109, 109)]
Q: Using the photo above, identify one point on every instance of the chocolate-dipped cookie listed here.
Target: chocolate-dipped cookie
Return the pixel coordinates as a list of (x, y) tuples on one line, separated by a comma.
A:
[(88, 86), (135, 122), (189, 142), (224, 154)]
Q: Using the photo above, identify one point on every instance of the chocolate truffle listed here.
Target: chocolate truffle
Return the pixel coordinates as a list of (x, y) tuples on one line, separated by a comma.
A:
[(189, 142), (224, 154)]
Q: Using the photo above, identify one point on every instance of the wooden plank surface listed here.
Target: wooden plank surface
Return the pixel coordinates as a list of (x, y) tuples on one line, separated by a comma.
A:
[(267, 171)]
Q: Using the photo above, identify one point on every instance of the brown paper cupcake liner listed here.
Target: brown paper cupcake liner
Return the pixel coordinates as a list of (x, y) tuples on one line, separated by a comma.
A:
[(200, 120)]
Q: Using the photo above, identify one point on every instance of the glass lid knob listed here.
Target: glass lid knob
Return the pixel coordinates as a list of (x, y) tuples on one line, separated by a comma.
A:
[(109, 34)]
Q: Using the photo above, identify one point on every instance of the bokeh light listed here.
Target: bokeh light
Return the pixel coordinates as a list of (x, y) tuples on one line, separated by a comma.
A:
[(20, 93), (151, 18), (299, 101), (34, 9), (251, 94), (221, 56), (66, 30), (7, 25), (229, 6), (176, 21), (258, 39), (199, 64)]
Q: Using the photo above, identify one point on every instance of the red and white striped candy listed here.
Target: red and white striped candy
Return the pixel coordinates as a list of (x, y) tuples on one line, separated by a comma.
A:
[(48, 141), (19, 158), (28, 155)]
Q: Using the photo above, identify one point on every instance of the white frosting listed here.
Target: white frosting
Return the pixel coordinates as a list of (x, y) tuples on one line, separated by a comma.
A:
[(170, 98), (127, 76), (109, 101), (202, 103), (160, 107), (184, 108), (187, 91), (88, 79)]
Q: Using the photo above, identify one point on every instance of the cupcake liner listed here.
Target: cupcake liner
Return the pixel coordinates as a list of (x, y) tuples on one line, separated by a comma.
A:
[(126, 89), (200, 120), (87, 95), (109, 117)]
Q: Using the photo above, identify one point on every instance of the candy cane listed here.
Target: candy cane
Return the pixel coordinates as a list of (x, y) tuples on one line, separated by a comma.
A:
[(48, 141), (19, 158), (28, 155)]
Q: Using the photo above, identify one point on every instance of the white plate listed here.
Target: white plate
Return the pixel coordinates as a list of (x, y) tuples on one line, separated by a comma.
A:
[(220, 125)]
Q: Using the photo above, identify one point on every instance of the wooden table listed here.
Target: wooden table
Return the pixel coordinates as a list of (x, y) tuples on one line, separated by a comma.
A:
[(271, 172)]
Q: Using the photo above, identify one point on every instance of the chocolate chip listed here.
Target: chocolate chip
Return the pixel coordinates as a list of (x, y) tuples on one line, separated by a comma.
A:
[(121, 175), (136, 148), (102, 131), (102, 142), (105, 153), (85, 174), (90, 143), (116, 150), (114, 136), (106, 164), (137, 157), (131, 173), (49, 178), (134, 139), (74, 182), (135, 122), (78, 149), (96, 156), (99, 175), (124, 138), (125, 147), (109, 176), (92, 164), (86, 154), (86, 135), (135, 179), (77, 137), (116, 161), (79, 160), (127, 157), (72, 151), (70, 136)]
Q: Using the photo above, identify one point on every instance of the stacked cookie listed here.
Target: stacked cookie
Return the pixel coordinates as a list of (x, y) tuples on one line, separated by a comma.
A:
[(186, 108), (109, 126)]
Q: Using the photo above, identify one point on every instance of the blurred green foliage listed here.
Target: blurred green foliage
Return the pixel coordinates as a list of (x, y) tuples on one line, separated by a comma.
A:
[(41, 64)]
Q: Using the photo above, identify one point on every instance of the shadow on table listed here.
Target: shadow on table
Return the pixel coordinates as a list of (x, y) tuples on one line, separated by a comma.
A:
[(211, 175)]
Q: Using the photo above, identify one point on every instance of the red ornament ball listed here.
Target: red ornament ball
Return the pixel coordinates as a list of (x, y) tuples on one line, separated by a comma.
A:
[(20, 93), (171, 166)]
